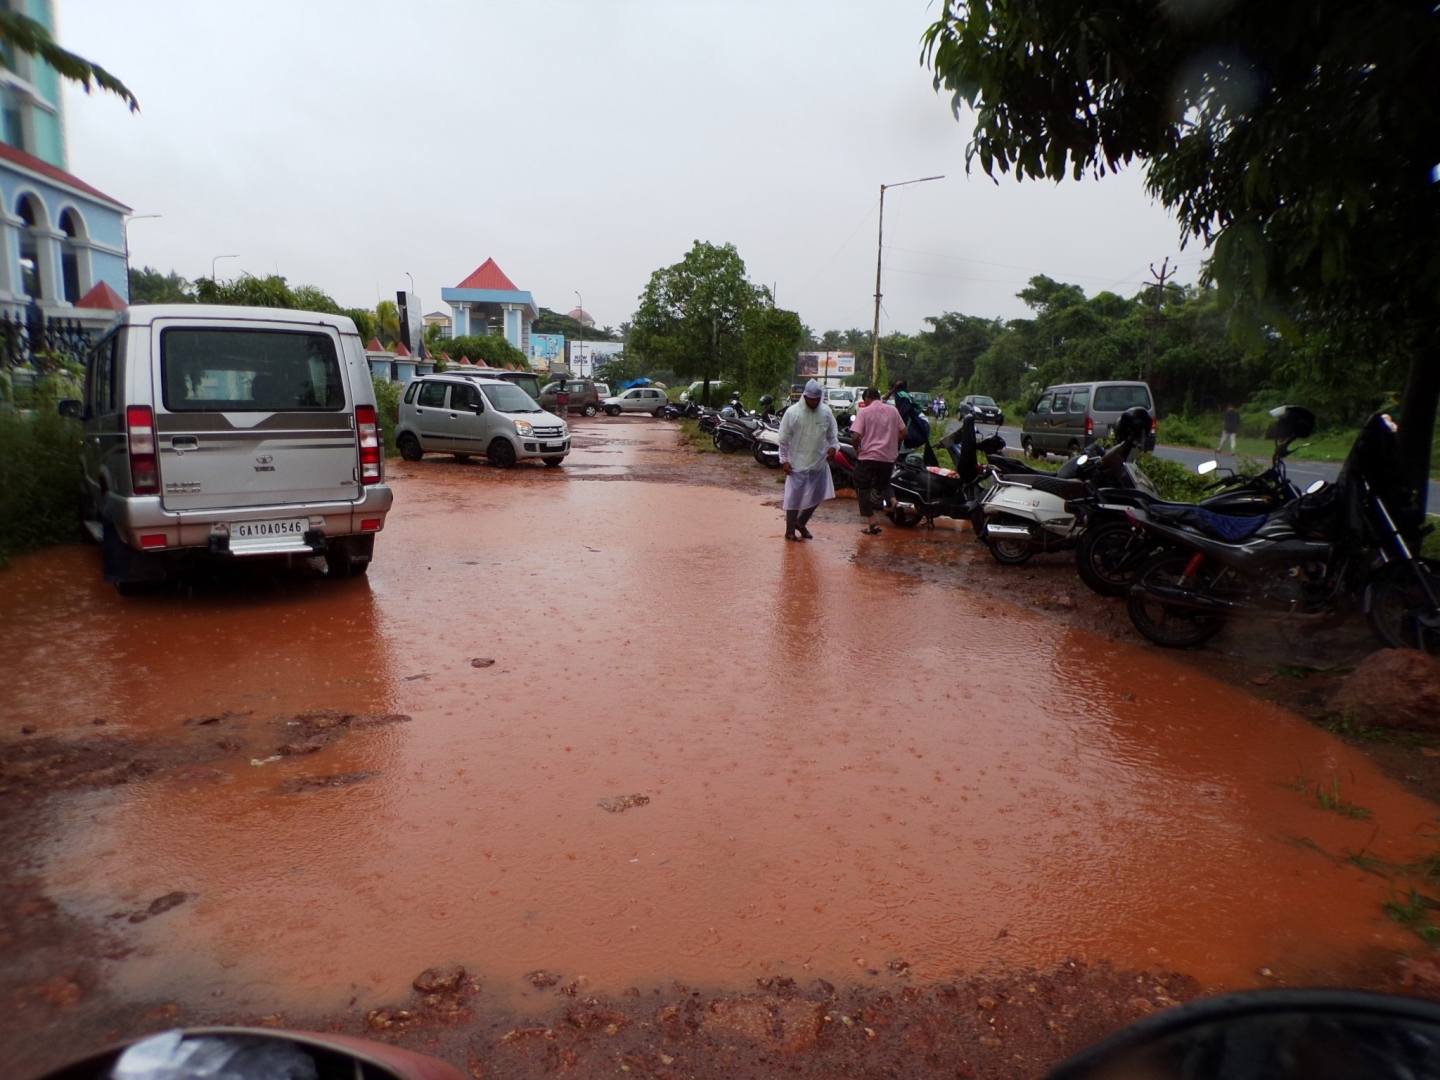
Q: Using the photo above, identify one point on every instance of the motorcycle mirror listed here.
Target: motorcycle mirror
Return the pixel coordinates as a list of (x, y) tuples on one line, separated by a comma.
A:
[(1082, 459), (1205, 468), (1277, 1034), (1316, 486)]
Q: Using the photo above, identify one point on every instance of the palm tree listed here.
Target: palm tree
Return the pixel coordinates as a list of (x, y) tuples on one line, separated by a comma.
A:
[(20, 33)]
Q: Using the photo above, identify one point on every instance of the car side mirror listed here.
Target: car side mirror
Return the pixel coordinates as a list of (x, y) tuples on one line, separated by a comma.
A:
[(477, 407), (1205, 468), (1316, 486), (72, 409)]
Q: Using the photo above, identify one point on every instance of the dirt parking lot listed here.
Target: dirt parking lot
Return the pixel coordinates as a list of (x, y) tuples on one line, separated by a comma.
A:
[(594, 773)]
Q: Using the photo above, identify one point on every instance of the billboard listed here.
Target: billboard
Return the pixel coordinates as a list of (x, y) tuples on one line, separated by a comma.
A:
[(825, 366), (586, 356), (412, 325), (546, 349)]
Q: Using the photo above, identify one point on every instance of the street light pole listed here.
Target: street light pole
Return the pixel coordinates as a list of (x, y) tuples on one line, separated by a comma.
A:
[(879, 262), (217, 259)]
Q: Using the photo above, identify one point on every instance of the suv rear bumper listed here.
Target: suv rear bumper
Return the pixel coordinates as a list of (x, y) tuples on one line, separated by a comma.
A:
[(139, 516)]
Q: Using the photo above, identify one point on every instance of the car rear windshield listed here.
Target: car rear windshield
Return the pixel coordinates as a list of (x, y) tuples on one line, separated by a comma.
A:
[(214, 370), (506, 397), (1120, 398)]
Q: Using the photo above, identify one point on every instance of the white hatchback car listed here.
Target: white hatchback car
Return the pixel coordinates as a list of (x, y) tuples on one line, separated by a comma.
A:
[(638, 399), (463, 415)]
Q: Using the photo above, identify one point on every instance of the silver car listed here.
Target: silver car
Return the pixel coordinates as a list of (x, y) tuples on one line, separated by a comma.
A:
[(229, 432), (467, 415), (638, 399)]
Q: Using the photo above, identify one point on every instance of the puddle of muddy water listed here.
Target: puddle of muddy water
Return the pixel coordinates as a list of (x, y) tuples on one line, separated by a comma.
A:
[(844, 768)]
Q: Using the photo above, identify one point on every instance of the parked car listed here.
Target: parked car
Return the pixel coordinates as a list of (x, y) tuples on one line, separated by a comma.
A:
[(841, 399), (229, 432), (603, 389), (985, 409), (585, 396), (468, 415), (922, 400), (719, 393), (639, 399), (1066, 418), (526, 380)]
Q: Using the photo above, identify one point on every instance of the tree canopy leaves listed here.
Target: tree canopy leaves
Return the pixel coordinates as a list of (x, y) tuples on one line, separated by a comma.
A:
[(1295, 137)]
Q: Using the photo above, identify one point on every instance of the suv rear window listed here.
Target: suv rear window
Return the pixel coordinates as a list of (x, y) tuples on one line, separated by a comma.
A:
[(1120, 398), (207, 370)]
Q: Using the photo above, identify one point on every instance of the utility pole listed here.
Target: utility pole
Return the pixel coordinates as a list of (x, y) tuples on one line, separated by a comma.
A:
[(879, 263), (1160, 276)]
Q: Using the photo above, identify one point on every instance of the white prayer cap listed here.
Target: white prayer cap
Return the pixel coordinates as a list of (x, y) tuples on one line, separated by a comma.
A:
[(812, 389)]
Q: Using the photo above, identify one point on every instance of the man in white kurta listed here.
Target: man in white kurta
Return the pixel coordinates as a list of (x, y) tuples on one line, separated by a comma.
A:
[(808, 440)]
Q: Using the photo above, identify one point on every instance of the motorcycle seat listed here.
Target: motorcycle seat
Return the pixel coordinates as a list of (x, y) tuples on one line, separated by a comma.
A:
[(1230, 529), (1007, 466), (1051, 485)]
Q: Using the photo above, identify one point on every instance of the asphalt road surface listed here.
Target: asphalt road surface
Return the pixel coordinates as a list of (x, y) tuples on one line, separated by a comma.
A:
[(1303, 473)]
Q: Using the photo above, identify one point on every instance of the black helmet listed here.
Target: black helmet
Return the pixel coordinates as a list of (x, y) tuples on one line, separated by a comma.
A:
[(964, 409), (735, 396), (1133, 424), (1291, 422), (766, 401)]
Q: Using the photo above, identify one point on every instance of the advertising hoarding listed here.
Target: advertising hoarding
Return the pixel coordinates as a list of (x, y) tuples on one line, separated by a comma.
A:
[(546, 349), (586, 356), (826, 367)]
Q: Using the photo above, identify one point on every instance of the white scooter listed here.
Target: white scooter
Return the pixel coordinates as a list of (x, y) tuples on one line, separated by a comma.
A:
[(1025, 513)]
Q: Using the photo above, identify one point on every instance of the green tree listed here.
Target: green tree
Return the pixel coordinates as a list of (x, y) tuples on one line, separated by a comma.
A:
[(769, 339), (1295, 138), (490, 348), (690, 317), (364, 320), (270, 291), (552, 322), (149, 286)]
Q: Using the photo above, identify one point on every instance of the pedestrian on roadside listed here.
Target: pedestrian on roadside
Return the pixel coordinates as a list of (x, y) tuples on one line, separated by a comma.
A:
[(1231, 429), (876, 431), (809, 441)]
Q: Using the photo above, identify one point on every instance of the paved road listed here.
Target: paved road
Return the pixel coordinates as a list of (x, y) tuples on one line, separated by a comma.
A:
[(1303, 473)]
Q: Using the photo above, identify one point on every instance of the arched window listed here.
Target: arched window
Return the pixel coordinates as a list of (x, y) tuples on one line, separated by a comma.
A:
[(70, 225), (32, 215)]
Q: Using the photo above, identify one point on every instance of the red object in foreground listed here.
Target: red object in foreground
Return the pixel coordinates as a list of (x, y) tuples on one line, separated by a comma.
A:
[(376, 1061), (367, 430), (140, 428)]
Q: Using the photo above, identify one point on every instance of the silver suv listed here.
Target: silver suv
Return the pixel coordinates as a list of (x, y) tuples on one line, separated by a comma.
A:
[(229, 432), (469, 415)]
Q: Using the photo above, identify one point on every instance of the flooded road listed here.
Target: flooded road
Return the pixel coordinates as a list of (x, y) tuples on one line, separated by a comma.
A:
[(849, 773)]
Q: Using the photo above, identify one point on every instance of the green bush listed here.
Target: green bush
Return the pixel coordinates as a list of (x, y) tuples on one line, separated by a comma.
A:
[(39, 481), (1175, 482), (491, 348), (387, 405)]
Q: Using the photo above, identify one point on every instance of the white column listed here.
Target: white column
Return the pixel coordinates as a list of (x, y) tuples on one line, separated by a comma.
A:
[(47, 252)]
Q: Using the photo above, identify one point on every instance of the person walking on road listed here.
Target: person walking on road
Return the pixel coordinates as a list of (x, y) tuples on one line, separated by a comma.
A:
[(1230, 431), (876, 432), (809, 441)]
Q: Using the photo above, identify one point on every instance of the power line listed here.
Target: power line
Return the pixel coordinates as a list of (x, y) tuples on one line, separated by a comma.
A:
[(838, 250)]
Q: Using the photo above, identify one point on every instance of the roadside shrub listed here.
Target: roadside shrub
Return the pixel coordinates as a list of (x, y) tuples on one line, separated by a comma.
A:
[(1175, 482), (387, 405), (39, 482)]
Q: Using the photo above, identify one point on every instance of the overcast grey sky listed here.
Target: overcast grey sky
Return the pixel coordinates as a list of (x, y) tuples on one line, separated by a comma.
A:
[(582, 144)]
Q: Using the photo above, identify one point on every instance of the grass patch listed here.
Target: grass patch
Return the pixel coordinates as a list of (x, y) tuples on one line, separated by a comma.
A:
[(39, 481), (1412, 911), (1331, 800), (692, 438), (1346, 726)]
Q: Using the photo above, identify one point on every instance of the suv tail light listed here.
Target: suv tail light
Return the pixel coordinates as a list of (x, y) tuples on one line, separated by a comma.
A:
[(367, 430), (1089, 427), (140, 430)]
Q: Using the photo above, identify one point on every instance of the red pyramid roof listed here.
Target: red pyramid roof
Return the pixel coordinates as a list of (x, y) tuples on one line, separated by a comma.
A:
[(373, 345), (488, 276), (400, 349), (103, 298)]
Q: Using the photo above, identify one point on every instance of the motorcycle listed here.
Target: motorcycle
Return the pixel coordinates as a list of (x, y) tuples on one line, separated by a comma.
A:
[(1025, 512), (1338, 547), (735, 433), (923, 493), (767, 444), (1112, 550), (682, 410)]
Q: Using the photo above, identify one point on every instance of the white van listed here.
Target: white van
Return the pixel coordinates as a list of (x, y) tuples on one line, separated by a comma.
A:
[(468, 415), (230, 432)]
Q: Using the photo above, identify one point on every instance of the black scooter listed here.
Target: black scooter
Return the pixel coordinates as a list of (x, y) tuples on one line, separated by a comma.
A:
[(924, 493)]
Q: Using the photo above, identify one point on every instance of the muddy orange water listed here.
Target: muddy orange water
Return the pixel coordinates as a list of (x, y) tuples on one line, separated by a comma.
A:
[(844, 767)]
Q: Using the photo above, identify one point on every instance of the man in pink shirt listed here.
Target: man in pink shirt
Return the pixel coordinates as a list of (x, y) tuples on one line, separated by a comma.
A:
[(876, 432)]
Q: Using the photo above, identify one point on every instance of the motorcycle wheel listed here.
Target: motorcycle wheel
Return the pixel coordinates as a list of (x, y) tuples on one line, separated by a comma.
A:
[(1010, 552), (1109, 556), (1396, 607), (905, 519), (725, 444), (1166, 624)]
